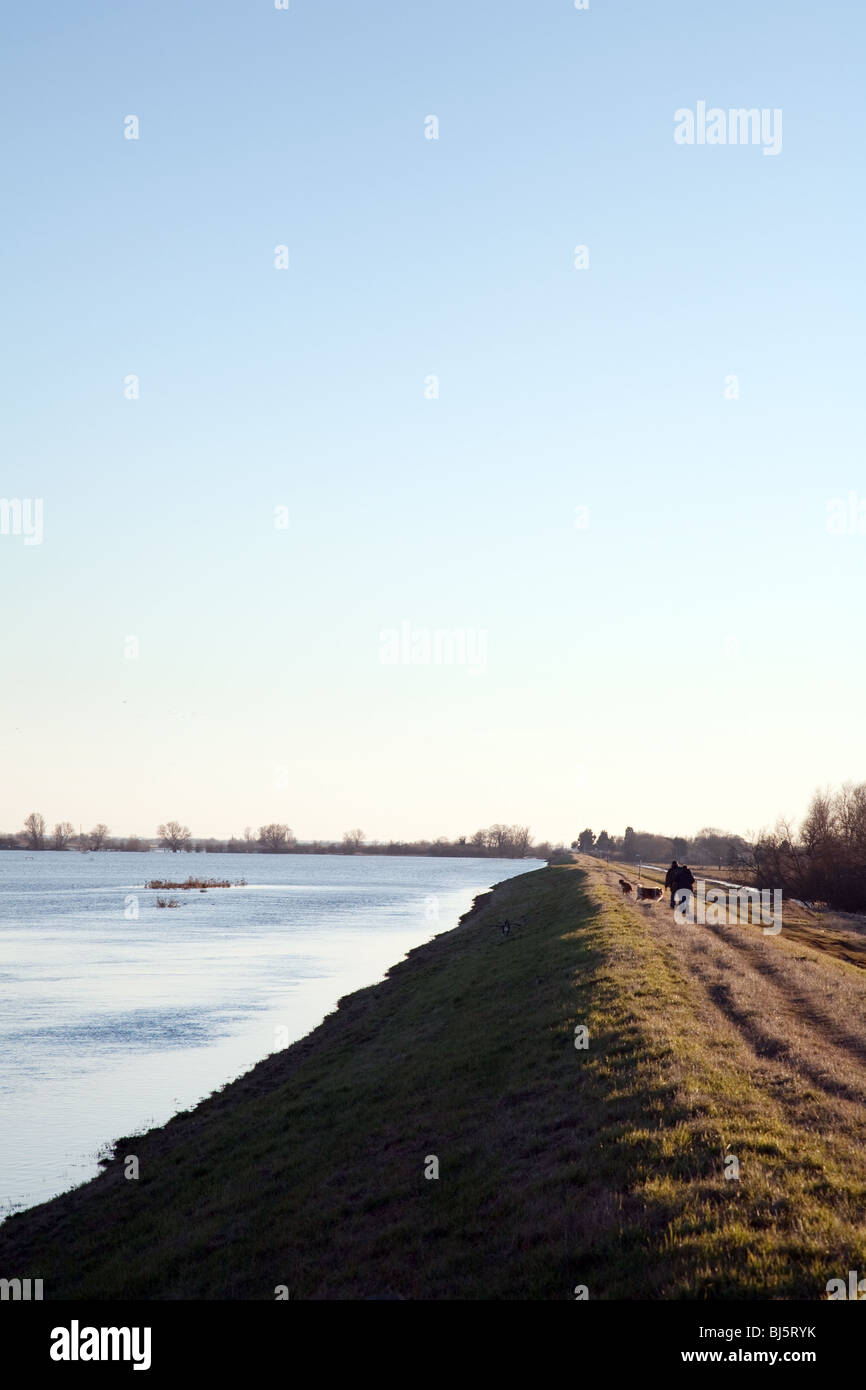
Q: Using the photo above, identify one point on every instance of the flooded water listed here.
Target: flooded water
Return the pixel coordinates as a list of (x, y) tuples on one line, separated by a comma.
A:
[(117, 1013)]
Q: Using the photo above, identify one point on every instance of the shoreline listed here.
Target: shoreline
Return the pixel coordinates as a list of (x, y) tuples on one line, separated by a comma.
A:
[(234, 975), (557, 1165)]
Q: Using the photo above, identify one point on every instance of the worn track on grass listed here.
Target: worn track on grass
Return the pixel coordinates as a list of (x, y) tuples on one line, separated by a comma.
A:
[(793, 1013)]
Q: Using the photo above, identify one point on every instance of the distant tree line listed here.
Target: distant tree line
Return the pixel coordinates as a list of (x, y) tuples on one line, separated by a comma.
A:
[(497, 841), (36, 835), (719, 848), (824, 861)]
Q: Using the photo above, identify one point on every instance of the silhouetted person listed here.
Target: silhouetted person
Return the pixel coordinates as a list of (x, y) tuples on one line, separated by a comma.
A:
[(684, 878), (671, 879)]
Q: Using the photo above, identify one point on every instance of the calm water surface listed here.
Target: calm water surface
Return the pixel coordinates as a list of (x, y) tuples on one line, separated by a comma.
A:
[(116, 1014)]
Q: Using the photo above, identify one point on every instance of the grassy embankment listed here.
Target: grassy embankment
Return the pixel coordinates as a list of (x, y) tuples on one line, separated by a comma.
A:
[(558, 1166)]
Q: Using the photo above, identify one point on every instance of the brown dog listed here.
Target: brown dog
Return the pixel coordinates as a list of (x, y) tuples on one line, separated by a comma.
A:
[(648, 894), (625, 885)]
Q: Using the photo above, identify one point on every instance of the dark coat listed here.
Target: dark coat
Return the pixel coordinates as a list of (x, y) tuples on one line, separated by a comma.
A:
[(684, 877), (671, 875)]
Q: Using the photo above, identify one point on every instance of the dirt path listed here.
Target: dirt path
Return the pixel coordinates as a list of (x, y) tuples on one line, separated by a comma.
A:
[(791, 1012)]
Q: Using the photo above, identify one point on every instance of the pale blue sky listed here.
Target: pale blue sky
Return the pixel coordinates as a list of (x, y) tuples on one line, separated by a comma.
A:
[(259, 693)]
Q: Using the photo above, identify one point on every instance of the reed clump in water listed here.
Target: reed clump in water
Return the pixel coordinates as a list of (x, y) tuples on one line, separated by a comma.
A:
[(200, 883)]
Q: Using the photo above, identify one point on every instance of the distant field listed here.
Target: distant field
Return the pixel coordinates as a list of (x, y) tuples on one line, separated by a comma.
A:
[(559, 1167)]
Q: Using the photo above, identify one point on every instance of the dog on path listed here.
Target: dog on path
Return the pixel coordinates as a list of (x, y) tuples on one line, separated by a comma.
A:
[(645, 894), (625, 885)]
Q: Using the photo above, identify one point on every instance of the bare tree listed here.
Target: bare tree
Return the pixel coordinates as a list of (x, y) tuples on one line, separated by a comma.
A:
[(174, 836), (850, 817), (63, 833), (353, 840), (275, 838), (498, 838), (521, 839), (826, 863), (818, 827), (34, 830), (98, 836)]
